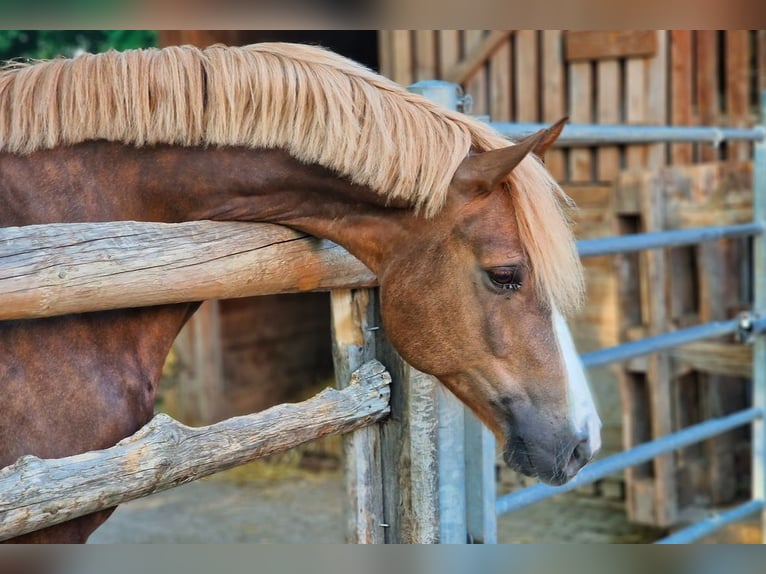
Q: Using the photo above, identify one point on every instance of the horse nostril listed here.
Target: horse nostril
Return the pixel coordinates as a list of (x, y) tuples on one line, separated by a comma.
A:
[(580, 457)]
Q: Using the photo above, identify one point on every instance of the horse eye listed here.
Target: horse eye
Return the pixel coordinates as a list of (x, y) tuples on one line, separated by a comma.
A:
[(506, 277)]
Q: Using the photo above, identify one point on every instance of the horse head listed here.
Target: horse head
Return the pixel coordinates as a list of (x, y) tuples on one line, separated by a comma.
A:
[(467, 306)]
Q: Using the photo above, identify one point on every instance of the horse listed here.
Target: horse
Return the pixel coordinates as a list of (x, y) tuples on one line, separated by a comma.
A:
[(466, 232)]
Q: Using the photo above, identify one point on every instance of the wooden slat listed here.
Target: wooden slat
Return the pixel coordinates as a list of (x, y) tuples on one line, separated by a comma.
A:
[(681, 91), (500, 74), (474, 72), (608, 113), (737, 88), (425, 55), (199, 354), (554, 93), (761, 43), (594, 45), (580, 95), (385, 56), (656, 96), (409, 449), (526, 71), (728, 359), (449, 51), (708, 104), (353, 314), (479, 47), (401, 57), (635, 107), (658, 369)]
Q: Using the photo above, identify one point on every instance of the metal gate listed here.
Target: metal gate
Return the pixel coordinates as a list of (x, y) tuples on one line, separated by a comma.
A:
[(748, 326)]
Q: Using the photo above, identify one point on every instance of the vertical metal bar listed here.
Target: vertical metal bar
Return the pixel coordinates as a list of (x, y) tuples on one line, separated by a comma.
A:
[(759, 304), (480, 488)]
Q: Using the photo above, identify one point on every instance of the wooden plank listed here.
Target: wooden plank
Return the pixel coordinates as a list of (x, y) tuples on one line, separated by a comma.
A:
[(656, 96), (681, 91), (208, 380), (449, 51), (475, 81), (580, 102), (658, 370), (479, 48), (385, 53), (595, 45), (165, 453), (500, 74), (526, 76), (401, 57), (409, 453), (353, 317), (71, 268), (738, 70), (608, 113), (554, 92), (635, 108), (718, 358), (761, 42), (425, 55), (480, 491), (708, 104)]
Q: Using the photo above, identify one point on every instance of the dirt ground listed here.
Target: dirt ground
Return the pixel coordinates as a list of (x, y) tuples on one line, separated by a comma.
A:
[(307, 507)]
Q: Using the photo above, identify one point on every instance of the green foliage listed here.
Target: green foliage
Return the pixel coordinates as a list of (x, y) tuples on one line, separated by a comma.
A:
[(50, 43)]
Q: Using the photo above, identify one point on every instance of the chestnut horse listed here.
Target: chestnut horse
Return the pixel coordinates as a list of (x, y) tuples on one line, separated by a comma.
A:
[(466, 233)]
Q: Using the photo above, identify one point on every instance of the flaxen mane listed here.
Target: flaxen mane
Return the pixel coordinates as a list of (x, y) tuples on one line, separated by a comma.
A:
[(321, 107)]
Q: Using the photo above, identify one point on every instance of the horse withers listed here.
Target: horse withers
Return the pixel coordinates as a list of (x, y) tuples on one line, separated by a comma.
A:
[(467, 234)]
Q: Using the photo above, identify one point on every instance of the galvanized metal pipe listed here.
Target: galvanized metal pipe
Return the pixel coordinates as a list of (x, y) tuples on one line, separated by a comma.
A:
[(636, 455), (595, 135), (666, 341), (759, 303), (712, 523), (658, 239)]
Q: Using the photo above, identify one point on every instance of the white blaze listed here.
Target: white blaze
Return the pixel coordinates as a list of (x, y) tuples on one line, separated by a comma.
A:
[(582, 410)]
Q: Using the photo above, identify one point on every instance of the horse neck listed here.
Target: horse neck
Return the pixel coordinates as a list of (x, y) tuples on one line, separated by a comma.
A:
[(260, 185)]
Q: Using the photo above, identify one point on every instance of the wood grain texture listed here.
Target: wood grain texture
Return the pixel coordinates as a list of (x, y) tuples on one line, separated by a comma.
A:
[(353, 336), (608, 72), (479, 47), (165, 453), (70, 268), (738, 69), (425, 55), (580, 102), (708, 101), (553, 95), (526, 69), (600, 44), (681, 90), (473, 69)]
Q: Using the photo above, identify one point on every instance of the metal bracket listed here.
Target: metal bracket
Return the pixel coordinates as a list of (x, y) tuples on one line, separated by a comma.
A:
[(746, 329)]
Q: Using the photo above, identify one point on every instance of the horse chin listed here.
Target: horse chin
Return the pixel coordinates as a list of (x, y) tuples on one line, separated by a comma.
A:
[(518, 456)]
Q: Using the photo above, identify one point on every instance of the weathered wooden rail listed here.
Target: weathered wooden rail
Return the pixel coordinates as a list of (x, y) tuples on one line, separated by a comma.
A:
[(36, 493), (71, 267)]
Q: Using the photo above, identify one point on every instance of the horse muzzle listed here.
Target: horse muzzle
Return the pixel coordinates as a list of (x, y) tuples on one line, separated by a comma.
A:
[(554, 455)]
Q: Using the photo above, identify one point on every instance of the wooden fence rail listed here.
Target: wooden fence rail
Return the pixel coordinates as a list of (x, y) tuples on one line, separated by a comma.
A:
[(67, 268), (38, 493)]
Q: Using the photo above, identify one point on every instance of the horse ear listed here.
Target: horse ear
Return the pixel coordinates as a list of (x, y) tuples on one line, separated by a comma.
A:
[(551, 134), (488, 169)]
